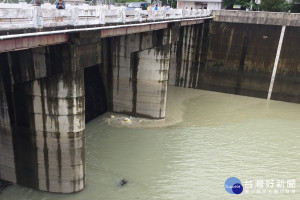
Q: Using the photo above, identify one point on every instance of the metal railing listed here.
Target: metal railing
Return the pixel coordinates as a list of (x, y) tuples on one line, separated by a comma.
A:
[(22, 15)]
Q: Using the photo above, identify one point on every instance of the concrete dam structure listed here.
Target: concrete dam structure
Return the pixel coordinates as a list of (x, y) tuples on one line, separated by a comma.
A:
[(237, 53), (49, 92), (50, 89)]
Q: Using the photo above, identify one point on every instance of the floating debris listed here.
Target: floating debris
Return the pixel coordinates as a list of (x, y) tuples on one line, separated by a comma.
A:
[(123, 182), (123, 120), (127, 120)]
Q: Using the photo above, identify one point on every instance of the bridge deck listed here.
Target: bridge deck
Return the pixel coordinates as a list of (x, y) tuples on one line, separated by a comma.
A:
[(30, 40), (24, 26), (25, 16)]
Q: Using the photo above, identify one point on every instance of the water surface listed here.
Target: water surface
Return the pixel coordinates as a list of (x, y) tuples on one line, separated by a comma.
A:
[(206, 138)]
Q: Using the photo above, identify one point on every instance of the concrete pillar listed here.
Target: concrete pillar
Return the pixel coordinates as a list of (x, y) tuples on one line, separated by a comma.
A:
[(186, 57), (151, 82), (7, 162), (42, 125), (140, 74), (42, 138), (49, 134)]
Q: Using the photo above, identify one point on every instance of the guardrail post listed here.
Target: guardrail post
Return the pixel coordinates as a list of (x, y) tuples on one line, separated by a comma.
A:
[(123, 16), (37, 17), (75, 16), (102, 12), (139, 16)]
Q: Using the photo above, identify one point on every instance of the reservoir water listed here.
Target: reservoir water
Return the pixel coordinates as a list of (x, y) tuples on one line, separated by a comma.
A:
[(206, 138)]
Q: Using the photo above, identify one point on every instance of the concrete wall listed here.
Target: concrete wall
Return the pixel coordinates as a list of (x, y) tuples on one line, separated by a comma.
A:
[(186, 55), (237, 58), (287, 81), (140, 65), (257, 17)]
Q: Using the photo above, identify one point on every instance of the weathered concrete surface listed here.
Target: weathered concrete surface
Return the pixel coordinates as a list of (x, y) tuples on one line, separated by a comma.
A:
[(42, 118), (15, 44), (151, 78), (225, 57), (186, 55), (46, 117), (7, 162), (140, 70), (236, 58), (287, 81), (65, 134), (126, 30), (240, 58), (32, 64), (50, 118), (257, 17)]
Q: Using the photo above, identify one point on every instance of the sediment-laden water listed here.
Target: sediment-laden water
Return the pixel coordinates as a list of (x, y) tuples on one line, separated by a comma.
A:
[(206, 138)]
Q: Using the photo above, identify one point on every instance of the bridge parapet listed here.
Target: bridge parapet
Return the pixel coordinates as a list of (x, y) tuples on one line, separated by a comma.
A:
[(26, 16), (257, 17)]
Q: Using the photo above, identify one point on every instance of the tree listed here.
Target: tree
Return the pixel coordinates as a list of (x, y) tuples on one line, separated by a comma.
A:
[(228, 3), (173, 3), (275, 5), (296, 6), (129, 1)]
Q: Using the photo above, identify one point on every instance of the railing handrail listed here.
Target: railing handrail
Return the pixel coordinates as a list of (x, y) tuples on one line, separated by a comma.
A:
[(78, 15)]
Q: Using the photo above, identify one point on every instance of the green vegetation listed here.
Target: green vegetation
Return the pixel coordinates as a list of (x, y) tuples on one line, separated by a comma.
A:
[(266, 5), (244, 4), (296, 6), (275, 5), (129, 1), (172, 3)]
